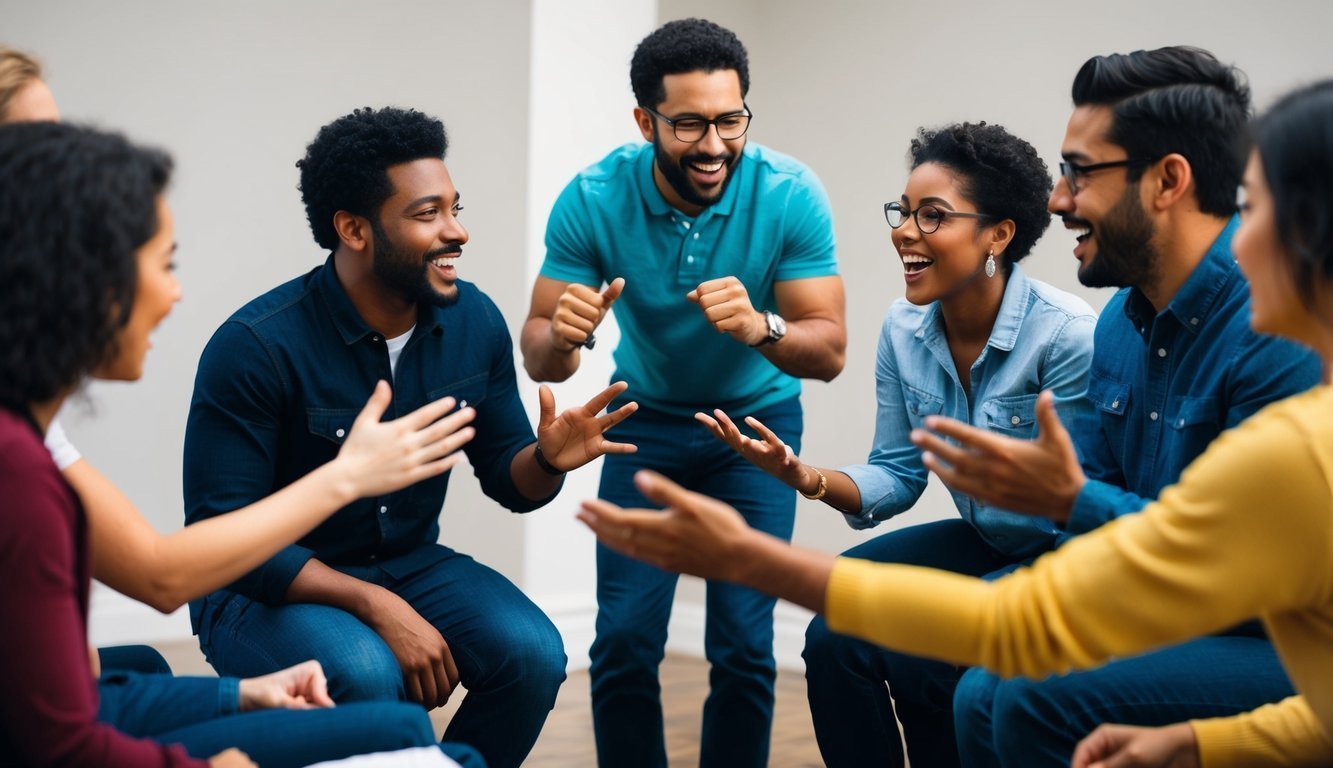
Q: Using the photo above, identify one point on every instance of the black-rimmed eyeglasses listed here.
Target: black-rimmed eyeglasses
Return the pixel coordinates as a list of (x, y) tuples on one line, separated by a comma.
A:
[(1071, 171), (928, 217), (691, 129)]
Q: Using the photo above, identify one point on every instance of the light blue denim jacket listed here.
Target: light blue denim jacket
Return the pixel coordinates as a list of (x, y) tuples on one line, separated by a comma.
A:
[(1042, 339)]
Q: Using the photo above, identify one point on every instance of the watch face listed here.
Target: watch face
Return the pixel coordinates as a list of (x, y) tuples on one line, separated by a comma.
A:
[(777, 327)]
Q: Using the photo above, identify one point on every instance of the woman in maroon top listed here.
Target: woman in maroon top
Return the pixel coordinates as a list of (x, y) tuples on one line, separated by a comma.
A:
[(86, 248)]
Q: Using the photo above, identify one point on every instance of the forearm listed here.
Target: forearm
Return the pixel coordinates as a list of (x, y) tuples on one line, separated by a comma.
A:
[(774, 567), (841, 492), (814, 348), (318, 583), (533, 482), (543, 359), (166, 571)]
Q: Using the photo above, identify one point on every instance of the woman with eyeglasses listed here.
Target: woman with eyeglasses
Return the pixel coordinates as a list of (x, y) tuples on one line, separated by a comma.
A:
[(976, 339), (1248, 530)]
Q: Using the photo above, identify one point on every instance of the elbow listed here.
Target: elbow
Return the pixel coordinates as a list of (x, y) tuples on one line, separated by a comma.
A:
[(832, 365), (166, 595)]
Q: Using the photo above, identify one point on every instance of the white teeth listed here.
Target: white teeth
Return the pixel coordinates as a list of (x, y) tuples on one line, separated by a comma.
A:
[(709, 167), (443, 261), (912, 258), (1081, 231)]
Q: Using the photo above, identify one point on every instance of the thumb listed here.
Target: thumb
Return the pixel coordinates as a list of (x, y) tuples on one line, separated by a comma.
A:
[(661, 490), (693, 296), (377, 404), (546, 406), (612, 292), (1048, 421)]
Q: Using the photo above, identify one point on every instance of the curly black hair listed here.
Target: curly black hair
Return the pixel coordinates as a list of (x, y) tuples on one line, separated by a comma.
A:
[(76, 204), (684, 45), (344, 168), (1000, 173), (1178, 99), (1295, 143)]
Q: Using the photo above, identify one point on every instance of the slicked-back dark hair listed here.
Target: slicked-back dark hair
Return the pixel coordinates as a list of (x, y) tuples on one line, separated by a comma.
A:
[(1178, 99), (685, 45), (76, 205), (1000, 173), (345, 167), (1295, 143)]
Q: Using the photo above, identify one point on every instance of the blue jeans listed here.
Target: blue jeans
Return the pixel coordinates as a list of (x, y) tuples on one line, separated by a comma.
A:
[(1022, 722), (634, 600), (849, 681), (200, 714), (510, 657)]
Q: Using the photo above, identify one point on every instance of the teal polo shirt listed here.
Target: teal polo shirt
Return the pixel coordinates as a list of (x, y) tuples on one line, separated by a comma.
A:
[(773, 223)]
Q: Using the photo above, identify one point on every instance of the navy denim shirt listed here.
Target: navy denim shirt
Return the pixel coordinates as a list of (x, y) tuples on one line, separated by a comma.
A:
[(1042, 339), (1164, 385), (279, 386)]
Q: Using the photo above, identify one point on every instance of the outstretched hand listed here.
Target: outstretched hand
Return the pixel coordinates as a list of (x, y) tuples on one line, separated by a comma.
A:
[(300, 687), (768, 453), (1126, 746), (693, 534), (382, 457), (1040, 477), (578, 435)]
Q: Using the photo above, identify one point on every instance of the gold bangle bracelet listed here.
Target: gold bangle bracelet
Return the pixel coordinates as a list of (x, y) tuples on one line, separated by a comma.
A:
[(820, 491)]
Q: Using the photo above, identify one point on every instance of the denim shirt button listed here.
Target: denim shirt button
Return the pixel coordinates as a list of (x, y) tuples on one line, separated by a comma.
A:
[(1153, 415), (340, 432), (1014, 420), (384, 510)]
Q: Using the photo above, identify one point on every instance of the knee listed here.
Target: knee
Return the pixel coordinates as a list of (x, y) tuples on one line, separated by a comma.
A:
[(973, 702), (531, 652), (363, 670), (821, 645)]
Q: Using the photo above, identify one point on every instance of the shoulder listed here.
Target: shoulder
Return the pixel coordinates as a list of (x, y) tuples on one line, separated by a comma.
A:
[(616, 169), (1048, 298), (29, 479), (272, 303)]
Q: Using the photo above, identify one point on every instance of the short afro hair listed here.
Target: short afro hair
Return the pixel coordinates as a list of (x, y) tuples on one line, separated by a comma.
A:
[(345, 167), (1178, 99), (1000, 173), (76, 205), (684, 45)]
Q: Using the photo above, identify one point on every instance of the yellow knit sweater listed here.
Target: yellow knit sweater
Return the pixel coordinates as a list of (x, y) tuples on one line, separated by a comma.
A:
[(1248, 531)]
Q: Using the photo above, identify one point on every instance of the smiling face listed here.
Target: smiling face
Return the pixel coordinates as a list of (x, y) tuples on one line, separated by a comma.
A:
[(417, 235), (156, 291), (694, 174), (1114, 235), (951, 259)]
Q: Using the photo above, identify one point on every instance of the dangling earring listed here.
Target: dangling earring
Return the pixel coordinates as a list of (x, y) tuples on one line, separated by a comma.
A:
[(990, 264)]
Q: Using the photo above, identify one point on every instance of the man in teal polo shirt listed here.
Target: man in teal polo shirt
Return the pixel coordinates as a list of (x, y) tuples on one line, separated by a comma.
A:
[(719, 258)]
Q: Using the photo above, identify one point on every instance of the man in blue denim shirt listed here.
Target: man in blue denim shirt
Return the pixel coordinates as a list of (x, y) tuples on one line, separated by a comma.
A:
[(1150, 178), (389, 613)]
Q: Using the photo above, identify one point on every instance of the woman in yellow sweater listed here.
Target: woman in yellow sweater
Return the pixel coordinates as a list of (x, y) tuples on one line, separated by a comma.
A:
[(1248, 530)]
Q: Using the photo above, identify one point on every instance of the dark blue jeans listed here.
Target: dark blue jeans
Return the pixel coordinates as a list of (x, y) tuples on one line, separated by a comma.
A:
[(849, 680), (510, 656), (634, 600), (1022, 722), (200, 714)]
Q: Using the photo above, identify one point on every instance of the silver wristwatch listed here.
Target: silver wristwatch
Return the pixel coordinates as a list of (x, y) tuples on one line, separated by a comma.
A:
[(777, 328)]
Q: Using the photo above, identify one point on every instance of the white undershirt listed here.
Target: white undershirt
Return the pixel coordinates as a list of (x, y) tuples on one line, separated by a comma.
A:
[(395, 346)]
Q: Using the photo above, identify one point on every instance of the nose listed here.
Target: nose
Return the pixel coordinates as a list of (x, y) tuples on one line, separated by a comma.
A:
[(1062, 197), (452, 230), (711, 142)]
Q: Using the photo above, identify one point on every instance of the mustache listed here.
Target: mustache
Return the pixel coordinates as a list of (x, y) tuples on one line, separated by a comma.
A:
[(447, 249), (1073, 221)]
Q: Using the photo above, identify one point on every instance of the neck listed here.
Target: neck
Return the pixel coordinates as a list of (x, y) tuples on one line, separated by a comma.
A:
[(1180, 250), (383, 309), (969, 315)]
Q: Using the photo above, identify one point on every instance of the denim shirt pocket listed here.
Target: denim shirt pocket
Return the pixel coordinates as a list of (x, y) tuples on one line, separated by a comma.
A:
[(1012, 415), (331, 424), (470, 391), (1111, 399), (1195, 411), (921, 404)]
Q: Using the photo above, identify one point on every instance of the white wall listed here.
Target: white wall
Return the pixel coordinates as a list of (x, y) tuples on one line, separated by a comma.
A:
[(236, 90)]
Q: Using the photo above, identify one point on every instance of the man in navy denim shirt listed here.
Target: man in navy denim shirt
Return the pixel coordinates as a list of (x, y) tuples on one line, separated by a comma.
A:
[(1149, 190), (370, 594)]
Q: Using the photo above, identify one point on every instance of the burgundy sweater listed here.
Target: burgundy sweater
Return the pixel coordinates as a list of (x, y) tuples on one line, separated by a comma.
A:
[(48, 699)]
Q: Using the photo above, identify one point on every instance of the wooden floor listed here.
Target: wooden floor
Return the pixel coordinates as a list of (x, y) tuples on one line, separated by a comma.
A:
[(567, 742)]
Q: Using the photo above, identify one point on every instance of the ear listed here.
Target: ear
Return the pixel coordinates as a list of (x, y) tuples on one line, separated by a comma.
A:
[(1172, 180), (353, 230), (645, 123), (1000, 235)]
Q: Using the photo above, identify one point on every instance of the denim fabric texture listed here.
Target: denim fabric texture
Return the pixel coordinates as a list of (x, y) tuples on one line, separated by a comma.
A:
[(773, 223), (1042, 339), (634, 600)]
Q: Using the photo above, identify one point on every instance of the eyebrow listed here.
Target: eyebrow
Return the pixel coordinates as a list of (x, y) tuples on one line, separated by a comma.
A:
[(430, 199)]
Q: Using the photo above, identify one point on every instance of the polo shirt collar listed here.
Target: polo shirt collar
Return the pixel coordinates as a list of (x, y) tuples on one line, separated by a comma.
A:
[(1200, 294), (657, 204), (348, 322)]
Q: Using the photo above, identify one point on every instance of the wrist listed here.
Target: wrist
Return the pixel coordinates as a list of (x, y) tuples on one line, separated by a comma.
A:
[(545, 463), (815, 484)]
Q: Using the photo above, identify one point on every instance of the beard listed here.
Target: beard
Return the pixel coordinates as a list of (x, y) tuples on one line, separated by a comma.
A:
[(408, 275), (674, 172), (1125, 252)]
